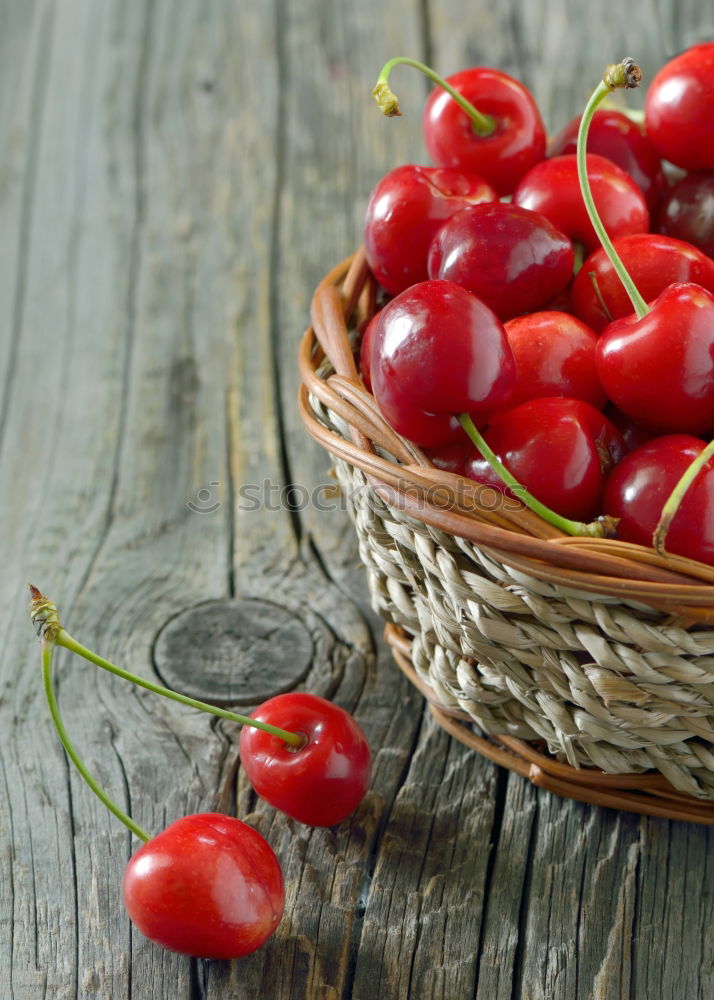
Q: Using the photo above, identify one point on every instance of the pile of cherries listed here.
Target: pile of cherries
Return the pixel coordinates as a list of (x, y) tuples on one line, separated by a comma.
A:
[(210, 885), (546, 320)]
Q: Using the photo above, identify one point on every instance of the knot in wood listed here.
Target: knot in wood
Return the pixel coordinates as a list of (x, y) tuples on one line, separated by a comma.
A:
[(233, 652)]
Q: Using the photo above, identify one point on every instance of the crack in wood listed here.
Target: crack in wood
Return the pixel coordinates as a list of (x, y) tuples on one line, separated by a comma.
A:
[(502, 779), (40, 79), (281, 15), (518, 967)]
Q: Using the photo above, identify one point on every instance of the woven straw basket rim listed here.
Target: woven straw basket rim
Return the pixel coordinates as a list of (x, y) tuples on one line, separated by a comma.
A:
[(681, 589)]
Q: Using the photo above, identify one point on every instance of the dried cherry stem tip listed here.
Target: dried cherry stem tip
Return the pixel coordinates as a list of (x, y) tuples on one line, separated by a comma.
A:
[(602, 527), (626, 74), (44, 615), (674, 500), (388, 102)]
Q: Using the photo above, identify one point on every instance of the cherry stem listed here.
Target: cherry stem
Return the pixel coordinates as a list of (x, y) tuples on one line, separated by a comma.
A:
[(599, 528), (66, 640), (672, 504), (598, 295), (616, 77), (388, 102), (48, 647), (45, 617)]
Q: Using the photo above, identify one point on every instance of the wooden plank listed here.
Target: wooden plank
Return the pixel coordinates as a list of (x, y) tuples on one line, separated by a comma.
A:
[(177, 181), (420, 892), (313, 952)]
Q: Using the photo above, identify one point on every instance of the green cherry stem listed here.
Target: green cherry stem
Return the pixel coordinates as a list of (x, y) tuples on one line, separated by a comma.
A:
[(44, 615), (672, 504), (616, 77), (48, 647), (388, 102), (603, 526), (598, 295)]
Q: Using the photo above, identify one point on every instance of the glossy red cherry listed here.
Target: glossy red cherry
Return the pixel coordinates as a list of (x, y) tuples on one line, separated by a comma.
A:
[(512, 259), (678, 109), (615, 136), (517, 139), (653, 262), (452, 457), (687, 212), (208, 886), (404, 212), (552, 188), (633, 434), (439, 351), (639, 486), (560, 450), (429, 430), (560, 302), (323, 781), (555, 356), (659, 369)]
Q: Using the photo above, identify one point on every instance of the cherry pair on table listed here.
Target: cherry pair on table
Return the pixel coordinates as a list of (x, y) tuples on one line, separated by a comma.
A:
[(209, 885)]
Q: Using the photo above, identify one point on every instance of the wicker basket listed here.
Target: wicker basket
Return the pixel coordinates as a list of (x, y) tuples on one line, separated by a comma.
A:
[(586, 665)]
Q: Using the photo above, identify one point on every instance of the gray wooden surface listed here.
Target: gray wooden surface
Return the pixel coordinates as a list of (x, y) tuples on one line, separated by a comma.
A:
[(175, 177)]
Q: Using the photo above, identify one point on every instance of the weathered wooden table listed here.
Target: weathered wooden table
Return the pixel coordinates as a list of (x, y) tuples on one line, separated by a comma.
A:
[(175, 177)]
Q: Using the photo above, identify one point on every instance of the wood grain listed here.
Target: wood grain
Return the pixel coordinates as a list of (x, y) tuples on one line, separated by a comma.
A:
[(175, 179)]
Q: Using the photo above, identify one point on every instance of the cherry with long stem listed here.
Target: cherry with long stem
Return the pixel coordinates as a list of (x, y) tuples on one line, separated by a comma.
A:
[(388, 102), (316, 771), (207, 885), (602, 526), (480, 120)]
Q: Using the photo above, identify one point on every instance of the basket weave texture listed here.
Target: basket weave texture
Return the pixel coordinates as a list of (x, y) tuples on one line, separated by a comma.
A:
[(584, 664)]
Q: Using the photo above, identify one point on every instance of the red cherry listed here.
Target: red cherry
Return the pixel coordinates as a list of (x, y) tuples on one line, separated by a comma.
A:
[(678, 109), (501, 157), (552, 188), (560, 302), (633, 435), (688, 212), (615, 136), (323, 781), (555, 356), (439, 351), (653, 262), (429, 430), (559, 449), (208, 886), (452, 457), (512, 259), (432, 430), (639, 486), (659, 369), (404, 213)]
